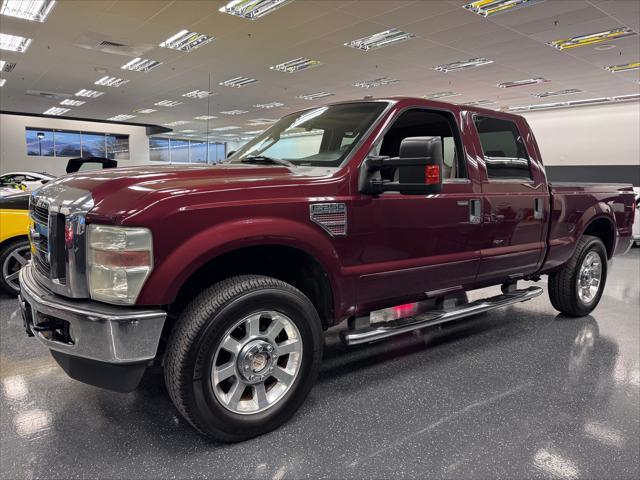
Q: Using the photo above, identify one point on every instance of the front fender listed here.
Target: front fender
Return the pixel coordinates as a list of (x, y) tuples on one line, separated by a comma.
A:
[(168, 277)]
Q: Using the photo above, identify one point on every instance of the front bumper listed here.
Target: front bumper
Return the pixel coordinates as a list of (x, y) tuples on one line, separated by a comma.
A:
[(97, 340)]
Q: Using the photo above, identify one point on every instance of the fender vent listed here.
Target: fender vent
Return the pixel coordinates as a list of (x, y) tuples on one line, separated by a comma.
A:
[(330, 216)]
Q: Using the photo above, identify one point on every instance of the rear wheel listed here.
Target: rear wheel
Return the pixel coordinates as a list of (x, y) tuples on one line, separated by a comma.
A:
[(243, 357), (576, 289), (12, 258)]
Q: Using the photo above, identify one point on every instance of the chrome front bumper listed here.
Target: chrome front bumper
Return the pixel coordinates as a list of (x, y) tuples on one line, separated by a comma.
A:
[(97, 331)]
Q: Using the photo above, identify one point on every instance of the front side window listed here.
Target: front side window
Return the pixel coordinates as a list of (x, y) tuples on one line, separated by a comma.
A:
[(321, 136), (503, 147)]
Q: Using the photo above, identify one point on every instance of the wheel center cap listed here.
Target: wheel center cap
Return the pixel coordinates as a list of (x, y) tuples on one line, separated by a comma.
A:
[(259, 362), (256, 361)]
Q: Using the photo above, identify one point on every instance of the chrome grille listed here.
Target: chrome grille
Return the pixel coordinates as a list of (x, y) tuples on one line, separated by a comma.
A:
[(39, 236)]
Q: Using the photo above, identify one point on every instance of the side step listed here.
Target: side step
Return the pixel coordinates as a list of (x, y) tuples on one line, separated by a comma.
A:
[(436, 317)]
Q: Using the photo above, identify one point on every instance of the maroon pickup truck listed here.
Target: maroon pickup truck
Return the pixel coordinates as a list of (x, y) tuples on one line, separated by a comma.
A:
[(382, 213)]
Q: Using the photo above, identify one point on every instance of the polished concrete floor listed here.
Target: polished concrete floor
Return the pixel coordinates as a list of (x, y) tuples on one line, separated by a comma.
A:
[(520, 393)]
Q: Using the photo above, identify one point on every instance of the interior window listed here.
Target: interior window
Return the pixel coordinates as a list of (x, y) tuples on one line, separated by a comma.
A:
[(504, 152), (424, 123)]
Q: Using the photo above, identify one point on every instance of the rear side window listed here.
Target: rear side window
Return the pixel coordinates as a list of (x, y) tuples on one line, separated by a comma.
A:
[(503, 148)]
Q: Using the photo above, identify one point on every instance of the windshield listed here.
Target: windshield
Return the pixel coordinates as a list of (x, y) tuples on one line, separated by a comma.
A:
[(321, 136)]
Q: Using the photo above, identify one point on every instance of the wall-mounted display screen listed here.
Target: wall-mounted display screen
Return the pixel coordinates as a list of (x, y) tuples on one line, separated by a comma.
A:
[(42, 142), (179, 150)]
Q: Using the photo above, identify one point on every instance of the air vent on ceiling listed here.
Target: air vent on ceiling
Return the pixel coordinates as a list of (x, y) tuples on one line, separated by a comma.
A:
[(106, 44), (9, 66), (49, 95)]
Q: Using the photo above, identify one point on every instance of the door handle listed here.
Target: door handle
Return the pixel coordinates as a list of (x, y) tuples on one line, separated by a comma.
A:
[(475, 211), (538, 209)]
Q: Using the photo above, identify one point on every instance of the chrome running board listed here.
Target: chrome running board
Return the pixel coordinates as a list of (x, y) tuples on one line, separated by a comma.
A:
[(436, 317)]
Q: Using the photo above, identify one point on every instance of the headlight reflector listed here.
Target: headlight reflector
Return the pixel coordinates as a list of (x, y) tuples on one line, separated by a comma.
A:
[(119, 260)]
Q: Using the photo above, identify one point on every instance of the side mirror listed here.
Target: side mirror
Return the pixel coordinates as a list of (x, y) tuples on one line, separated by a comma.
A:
[(419, 169)]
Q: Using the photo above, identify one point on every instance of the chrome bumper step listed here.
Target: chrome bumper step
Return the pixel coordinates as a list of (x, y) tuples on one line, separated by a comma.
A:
[(437, 317)]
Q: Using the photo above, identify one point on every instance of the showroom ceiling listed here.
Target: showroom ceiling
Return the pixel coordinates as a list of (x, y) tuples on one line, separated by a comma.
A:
[(65, 57)]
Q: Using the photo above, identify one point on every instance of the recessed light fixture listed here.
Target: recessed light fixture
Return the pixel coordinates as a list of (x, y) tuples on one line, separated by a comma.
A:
[(238, 82), (14, 43), (434, 96), (235, 112), (463, 65), (114, 82), (122, 117), (591, 39), (295, 65), (252, 9), (141, 65), (256, 122), (167, 103), (379, 40), (494, 7), (55, 111), (376, 82), (145, 110), (576, 103), (557, 93), (522, 83), (176, 123), (7, 66), (36, 11), (88, 93), (2, 81), (314, 96), (479, 103), (205, 117), (198, 94), (185, 41), (268, 106), (627, 67), (72, 103), (224, 129)]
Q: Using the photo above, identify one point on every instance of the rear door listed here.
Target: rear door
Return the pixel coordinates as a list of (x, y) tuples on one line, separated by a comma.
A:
[(515, 198)]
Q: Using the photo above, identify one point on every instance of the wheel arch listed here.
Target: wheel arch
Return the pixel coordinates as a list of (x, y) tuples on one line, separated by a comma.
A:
[(602, 227)]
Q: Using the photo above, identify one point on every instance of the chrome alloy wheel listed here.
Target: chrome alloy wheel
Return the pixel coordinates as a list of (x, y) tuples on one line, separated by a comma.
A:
[(12, 265), (589, 278), (256, 362)]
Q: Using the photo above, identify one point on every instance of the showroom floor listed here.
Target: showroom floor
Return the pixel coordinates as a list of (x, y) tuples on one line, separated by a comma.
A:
[(520, 393)]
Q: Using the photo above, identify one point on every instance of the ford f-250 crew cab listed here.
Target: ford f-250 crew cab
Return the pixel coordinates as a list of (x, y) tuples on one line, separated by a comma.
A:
[(383, 213)]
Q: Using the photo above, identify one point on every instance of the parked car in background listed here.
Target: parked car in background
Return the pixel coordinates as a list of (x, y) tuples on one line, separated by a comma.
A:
[(14, 242), (31, 180), (636, 223)]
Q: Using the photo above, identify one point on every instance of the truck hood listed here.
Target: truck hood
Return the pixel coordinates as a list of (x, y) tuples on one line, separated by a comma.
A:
[(118, 192)]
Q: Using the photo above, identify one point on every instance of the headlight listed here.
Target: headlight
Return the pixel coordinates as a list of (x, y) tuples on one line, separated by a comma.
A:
[(119, 260)]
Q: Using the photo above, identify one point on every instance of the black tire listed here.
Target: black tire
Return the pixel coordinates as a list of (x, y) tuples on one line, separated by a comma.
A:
[(198, 333), (12, 264), (563, 291)]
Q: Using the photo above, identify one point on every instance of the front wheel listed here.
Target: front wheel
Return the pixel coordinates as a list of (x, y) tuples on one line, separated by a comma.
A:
[(576, 289), (12, 258), (243, 357)]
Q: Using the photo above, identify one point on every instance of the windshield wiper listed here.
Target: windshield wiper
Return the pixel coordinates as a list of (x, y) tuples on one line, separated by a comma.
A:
[(267, 160)]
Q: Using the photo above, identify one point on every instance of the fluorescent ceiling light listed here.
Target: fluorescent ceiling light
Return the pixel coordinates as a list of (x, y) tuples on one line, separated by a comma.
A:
[(198, 94), (141, 65), (2, 64), (229, 135), (627, 67), (268, 106), (434, 96), (167, 103), (111, 81), (522, 83), (7, 66), (188, 131), (145, 110), (55, 111), (14, 43), (376, 82), (122, 117), (463, 65), (34, 10), (205, 117), (295, 65), (557, 93), (256, 122), (224, 129), (479, 103), (88, 93), (2, 81), (576, 103), (252, 9), (253, 132), (494, 7), (592, 38), (238, 82), (235, 112), (379, 40), (185, 41), (72, 103), (176, 123), (314, 96)]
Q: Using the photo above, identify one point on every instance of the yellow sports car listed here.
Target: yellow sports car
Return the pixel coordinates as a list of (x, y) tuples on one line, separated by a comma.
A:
[(14, 241)]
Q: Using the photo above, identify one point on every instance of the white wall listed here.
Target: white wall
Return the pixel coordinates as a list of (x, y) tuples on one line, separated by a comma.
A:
[(13, 148), (595, 135)]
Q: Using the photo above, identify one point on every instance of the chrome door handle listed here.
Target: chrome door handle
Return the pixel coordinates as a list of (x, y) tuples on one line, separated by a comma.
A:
[(538, 209), (475, 211)]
